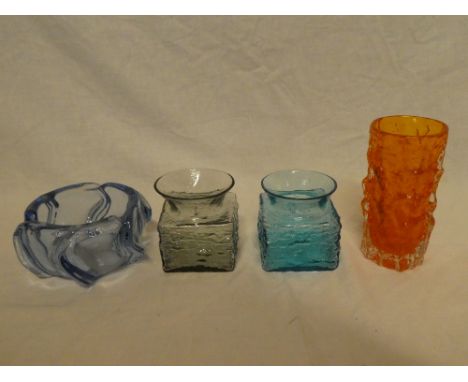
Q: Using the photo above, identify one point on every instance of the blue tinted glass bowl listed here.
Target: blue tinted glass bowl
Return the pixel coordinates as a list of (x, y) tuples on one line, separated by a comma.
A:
[(83, 231), (298, 226)]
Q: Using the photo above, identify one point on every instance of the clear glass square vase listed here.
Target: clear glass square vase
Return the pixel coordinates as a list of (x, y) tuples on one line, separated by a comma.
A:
[(198, 226)]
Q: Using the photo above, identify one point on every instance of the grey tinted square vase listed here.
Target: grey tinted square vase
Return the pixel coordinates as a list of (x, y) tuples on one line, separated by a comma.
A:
[(298, 226), (83, 231), (198, 227)]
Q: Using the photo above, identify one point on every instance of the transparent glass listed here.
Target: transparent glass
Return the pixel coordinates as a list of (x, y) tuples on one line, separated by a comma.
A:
[(298, 226), (198, 227), (83, 231), (405, 164)]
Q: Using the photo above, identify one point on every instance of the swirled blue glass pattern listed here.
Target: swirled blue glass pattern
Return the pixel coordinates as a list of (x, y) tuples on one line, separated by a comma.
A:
[(83, 231)]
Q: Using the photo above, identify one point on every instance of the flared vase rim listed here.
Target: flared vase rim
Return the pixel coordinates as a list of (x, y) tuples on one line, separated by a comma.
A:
[(290, 197), (216, 192)]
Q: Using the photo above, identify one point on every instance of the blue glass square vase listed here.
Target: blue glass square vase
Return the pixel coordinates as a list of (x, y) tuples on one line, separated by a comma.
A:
[(298, 225)]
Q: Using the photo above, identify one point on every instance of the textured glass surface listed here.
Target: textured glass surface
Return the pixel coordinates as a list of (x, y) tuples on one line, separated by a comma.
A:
[(405, 164), (298, 226), (198, 224), (82, 231)]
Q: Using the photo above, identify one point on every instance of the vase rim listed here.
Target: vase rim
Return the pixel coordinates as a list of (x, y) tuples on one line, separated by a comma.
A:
[(307, 191), (190, 184), (432, 127)]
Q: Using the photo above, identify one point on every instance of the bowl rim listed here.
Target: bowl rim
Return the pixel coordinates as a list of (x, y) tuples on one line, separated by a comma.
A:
[(31, 209)]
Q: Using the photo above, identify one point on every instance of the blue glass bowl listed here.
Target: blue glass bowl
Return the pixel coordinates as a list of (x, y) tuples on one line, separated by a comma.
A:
[(83, 231), (298, 226)]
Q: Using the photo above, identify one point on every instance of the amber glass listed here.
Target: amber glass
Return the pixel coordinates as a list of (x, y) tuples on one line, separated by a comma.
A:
[(405, 164)]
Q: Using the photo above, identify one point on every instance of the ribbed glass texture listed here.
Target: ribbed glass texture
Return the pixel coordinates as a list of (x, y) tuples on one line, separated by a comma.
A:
[(83, 231), (298, 226)]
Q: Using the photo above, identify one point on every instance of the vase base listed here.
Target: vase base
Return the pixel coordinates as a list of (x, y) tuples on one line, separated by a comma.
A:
[(327, 267), (197, 269), (398, 263)]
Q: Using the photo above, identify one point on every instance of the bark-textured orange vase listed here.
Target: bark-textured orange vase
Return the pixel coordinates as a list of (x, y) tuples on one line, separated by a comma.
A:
[(405, 164)]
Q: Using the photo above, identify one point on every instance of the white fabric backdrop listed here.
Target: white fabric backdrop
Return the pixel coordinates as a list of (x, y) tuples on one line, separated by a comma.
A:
[(126, 99)]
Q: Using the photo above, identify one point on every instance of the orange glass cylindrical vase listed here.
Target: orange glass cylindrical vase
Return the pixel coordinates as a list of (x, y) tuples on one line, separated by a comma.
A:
[(405, 164)]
